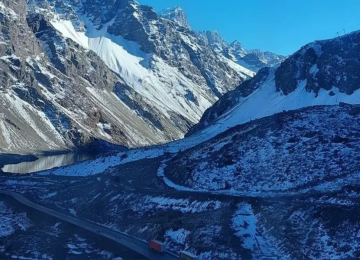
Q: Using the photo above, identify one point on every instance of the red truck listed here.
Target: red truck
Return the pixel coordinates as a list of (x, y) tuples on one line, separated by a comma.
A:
[(157, 246)]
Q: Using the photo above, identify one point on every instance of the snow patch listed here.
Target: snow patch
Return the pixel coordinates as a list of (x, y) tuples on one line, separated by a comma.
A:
[(179, 236), (11, 221), (244, 223)]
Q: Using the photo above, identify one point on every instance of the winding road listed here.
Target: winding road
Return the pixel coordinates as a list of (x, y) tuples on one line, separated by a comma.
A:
[(132, 243)]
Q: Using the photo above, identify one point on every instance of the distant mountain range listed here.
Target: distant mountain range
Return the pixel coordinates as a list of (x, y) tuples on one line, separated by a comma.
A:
[(251, 59)]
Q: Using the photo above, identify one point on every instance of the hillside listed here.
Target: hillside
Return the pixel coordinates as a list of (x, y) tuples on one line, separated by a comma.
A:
[(320, 73)]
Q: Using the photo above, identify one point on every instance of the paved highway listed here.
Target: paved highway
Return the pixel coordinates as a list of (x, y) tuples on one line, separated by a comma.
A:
[(134, 244)]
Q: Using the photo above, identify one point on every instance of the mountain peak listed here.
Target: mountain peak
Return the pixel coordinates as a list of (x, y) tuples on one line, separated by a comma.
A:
[(176, 14), (236, 44), (238, 47)]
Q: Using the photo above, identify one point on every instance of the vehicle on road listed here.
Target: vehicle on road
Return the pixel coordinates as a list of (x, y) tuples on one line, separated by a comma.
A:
[(188, 256), (157, 246)]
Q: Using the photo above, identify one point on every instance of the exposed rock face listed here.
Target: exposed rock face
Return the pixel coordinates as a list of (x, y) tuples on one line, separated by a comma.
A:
[(320, 73), (323, 64), (238, 48), (20, 55), (75, 71)]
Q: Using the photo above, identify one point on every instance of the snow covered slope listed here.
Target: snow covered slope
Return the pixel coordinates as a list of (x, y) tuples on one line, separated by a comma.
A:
[(320, 73), (125, 58), (313, 148)]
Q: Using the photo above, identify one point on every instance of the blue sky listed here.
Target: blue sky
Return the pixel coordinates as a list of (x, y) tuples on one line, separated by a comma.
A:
[(281, 26)]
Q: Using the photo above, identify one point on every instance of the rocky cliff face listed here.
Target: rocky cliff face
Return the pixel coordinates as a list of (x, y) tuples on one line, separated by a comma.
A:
[(320, 73), (75, 71), (20, 58), (45, 102), (323, 65)]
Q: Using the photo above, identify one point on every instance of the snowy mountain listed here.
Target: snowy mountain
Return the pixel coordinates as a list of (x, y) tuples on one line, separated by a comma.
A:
[(252, 59), (175, 14), (75, 71), (320, 73)]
